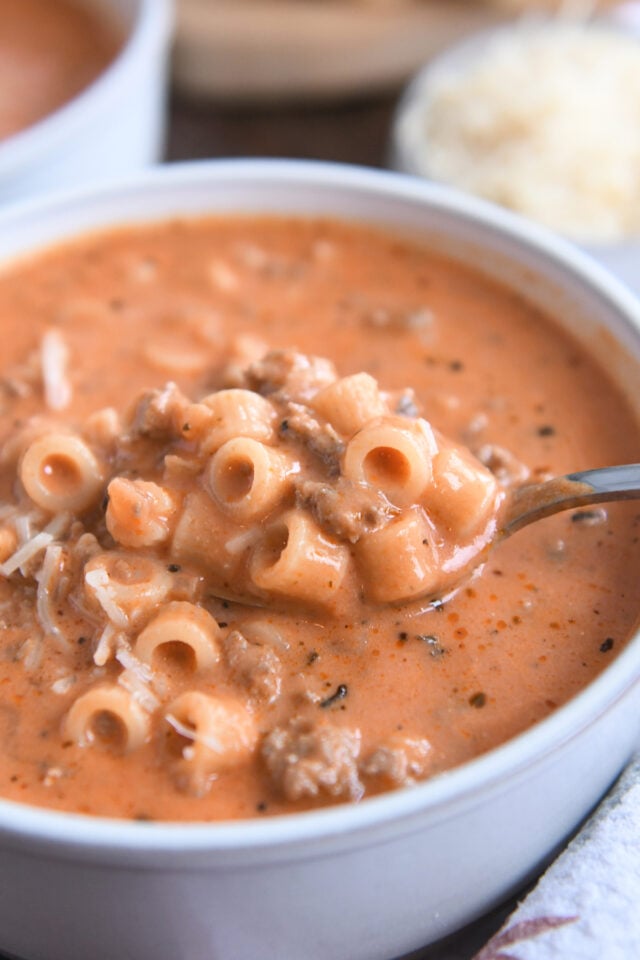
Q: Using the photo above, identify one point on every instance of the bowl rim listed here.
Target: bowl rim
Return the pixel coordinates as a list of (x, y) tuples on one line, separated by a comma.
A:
[(150, 30), (440, 796)]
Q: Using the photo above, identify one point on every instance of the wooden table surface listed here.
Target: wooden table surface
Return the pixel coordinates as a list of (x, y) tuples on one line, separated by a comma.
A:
[(355, 131)]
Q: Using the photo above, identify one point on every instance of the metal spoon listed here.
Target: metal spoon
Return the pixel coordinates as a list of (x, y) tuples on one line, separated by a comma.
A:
[(526, 504), (537, 500)]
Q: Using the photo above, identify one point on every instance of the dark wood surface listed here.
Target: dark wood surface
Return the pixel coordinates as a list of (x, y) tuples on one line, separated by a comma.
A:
[(356, 131), (353, 132)]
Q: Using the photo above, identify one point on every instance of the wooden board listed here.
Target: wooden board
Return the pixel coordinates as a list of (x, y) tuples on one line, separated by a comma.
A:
[(274, 50)]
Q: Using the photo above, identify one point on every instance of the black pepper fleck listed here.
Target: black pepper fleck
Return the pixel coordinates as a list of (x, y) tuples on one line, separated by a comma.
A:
[(546, 431), (478, 700), (174, 568), (607, 645)]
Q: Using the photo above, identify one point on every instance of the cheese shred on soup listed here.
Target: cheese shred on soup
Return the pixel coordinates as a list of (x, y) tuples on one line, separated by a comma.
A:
[(244, 464)]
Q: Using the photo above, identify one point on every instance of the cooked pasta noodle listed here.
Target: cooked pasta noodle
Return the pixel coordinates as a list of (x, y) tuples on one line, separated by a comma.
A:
[(393, 454), (463, 493), (248, 479), (400, 561), (237, 413), (107, 716), (60, 472), (350, 403), (204, 535), (297, 560), (127, 587), (181, 627), (209, 736)]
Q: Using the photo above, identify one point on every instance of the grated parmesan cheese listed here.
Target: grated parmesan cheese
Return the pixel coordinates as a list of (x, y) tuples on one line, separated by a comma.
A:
[(544, 120), (136, 677), (46, 577), (100, 584), (25, 553)]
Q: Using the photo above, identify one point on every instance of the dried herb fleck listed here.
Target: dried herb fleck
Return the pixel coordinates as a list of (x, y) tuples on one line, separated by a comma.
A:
[(478, 700), (340, 694), (546, 430), (313, 656), (433, 644)]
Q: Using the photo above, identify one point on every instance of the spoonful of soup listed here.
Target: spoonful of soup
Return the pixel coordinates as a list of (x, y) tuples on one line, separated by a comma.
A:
[(290, 487)]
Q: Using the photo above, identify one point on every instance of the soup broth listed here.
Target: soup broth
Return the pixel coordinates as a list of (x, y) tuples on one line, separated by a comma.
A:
[(134, 681), (50, 50)]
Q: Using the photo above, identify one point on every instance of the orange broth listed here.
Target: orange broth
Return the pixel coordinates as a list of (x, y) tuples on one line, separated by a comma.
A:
[(181, 302), (50, 50)]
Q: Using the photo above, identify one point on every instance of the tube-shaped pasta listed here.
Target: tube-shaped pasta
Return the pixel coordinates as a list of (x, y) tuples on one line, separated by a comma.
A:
[(139, 512), (108, 716), (208, 537), (394, 455), (295, 559), (248, 479), (60, 472), (349, 403), (237, 413), (209, 735), (126, 586), (184, 626), (463, 493), (399, 561)]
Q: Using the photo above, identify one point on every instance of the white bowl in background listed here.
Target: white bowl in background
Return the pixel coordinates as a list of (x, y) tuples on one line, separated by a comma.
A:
[(353, 882), (409, 146), (114, 126)]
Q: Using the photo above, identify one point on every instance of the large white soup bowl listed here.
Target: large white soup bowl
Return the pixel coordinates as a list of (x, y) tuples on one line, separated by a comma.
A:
[(367, 881)]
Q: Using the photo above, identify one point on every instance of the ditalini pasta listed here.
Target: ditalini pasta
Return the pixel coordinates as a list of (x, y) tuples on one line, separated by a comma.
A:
[(243, 464)]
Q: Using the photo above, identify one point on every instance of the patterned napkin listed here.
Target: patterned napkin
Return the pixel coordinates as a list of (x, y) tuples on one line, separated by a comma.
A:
[(587, 905)]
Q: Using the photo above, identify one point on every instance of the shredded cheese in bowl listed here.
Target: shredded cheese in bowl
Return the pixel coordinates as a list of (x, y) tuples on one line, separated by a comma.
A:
[(542, 118)]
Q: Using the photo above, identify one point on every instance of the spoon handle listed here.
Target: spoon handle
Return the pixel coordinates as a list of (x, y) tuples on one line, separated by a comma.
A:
[(538, 500)]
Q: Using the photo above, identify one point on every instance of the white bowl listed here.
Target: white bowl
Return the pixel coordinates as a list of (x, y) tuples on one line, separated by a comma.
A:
[(115, 126), (353, 882)]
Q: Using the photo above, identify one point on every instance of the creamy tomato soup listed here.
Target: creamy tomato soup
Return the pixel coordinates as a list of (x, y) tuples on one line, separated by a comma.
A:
[(236, 457), (50, 50)]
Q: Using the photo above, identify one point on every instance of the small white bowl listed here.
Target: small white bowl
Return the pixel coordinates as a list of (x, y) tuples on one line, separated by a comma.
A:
[(366, 881), (409, 146), (114, 126)]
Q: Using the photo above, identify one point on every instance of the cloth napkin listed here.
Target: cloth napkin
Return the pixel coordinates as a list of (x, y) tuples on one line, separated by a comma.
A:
[(587, 904)]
